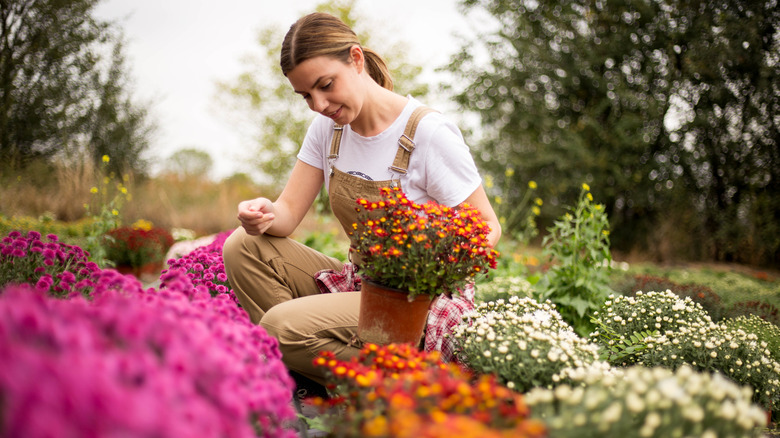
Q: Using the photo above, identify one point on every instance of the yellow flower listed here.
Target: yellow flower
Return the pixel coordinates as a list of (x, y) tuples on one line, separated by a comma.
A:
[(115, 212), (498, 200), (93, 190), (123, 190), (488, 181), (105, 158), (606, 232), (585, 187), (142, 224), (538, 201), (536, 210), (509, 172), (590, 197), (532, 185)]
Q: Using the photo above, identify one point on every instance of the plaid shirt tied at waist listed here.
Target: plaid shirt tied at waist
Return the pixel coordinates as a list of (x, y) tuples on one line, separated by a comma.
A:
[(445, 312)]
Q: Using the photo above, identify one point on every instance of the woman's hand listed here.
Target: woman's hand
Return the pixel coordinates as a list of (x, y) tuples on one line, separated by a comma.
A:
[(256, 215)]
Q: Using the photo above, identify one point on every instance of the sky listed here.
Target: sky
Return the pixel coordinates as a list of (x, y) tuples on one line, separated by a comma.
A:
[(177, 50)]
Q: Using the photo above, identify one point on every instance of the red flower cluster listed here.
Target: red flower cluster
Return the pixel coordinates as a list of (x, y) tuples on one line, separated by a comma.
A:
[(134, 246), (424, 249), (398, 391)]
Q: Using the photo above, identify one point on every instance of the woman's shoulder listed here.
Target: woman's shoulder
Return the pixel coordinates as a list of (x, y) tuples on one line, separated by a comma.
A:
[(434, 125)]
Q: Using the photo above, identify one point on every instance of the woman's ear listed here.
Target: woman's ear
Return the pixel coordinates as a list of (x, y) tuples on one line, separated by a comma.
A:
[(357, 57)]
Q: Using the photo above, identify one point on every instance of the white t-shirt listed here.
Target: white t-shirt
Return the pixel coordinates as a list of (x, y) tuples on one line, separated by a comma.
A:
[(440, 168)]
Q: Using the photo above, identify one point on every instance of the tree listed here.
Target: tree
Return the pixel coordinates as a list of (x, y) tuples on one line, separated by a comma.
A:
[(274, 114), (190, 162), (659, 105), (63, 85)]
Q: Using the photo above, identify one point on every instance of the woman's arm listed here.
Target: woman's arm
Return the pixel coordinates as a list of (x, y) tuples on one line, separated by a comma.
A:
[(281, 217), (479, 200)]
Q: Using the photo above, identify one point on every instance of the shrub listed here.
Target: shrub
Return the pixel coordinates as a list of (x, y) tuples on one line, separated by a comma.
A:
[(709, 300), (503, 288), (525, 343), (397, 391), (763, 310), (50, 265), (625, 321), (685, 336), (648, 402), (135, 246), (764, 330), (135, 363)]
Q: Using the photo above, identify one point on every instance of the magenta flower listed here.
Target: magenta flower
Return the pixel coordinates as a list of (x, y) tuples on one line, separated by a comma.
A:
[(27, 259), (204, 266), (173, 362)]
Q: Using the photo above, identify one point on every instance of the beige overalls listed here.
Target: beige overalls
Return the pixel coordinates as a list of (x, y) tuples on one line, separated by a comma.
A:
[(273, 277)]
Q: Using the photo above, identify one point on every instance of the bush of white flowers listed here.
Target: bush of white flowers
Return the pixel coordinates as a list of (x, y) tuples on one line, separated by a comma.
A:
[(647, 402), (766, 331), (524, 342), (503, 288), (683, 334), (624, 322)]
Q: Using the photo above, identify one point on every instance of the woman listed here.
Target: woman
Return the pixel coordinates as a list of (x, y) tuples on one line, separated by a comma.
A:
[(279, 281)]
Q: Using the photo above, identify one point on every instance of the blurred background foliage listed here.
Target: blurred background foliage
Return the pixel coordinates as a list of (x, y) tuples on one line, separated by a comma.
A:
[(669, 110)]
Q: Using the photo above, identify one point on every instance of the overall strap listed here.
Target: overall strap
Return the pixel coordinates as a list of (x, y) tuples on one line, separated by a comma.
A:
[(335, 144), (406, 142)]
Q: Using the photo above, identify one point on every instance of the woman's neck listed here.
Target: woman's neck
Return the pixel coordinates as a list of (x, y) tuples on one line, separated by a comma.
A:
[(380, 109)]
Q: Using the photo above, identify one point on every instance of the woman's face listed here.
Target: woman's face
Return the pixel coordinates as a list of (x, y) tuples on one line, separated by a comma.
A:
[(329, 86)]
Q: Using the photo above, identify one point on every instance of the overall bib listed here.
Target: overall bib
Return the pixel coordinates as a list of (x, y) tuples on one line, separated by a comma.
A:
[(273, 277)]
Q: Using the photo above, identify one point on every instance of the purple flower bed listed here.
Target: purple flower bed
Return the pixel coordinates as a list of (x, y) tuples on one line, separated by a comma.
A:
[(50, 265), (124, 361), (204, 266)]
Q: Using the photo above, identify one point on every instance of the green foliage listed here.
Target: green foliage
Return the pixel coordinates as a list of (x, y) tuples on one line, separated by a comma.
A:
[(518, 219), (189, 163), (71, 232), (578, 248), (328, 243), (503, 288), (670, 110), (63, 86), (104, 212), (619, 348), (705, 296), (274, 116)]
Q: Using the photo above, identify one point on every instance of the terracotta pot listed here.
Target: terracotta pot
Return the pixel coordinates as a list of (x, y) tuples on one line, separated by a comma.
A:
[(387, 316)]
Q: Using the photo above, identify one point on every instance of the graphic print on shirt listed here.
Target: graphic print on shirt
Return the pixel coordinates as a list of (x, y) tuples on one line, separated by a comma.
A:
[(360, 175)]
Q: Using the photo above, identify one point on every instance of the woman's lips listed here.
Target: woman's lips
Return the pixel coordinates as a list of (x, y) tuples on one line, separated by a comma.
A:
[(334, 115)]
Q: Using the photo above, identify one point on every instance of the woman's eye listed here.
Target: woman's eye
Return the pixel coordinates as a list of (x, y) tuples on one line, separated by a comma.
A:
[(326, 86)]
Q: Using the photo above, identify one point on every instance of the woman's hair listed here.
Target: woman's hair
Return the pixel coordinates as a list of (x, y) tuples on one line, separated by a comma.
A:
[(321, 34)]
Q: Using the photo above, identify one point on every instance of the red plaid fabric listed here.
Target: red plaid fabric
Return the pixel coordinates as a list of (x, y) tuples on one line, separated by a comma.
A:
[(445, 313)]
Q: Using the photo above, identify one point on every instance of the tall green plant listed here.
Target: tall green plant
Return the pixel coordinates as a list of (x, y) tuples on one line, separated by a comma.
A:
[(578, 249), (517, 217), (104, 211)]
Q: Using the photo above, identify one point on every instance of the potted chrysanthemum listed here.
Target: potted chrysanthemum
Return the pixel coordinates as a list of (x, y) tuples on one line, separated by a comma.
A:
[(411, 253), (138, 249)]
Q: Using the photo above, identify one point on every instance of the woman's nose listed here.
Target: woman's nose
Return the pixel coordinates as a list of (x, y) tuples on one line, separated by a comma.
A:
[(319, 104)]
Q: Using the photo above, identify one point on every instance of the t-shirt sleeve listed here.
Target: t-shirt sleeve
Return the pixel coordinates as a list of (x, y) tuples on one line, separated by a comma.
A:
[(313, 150), (451, 173)]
